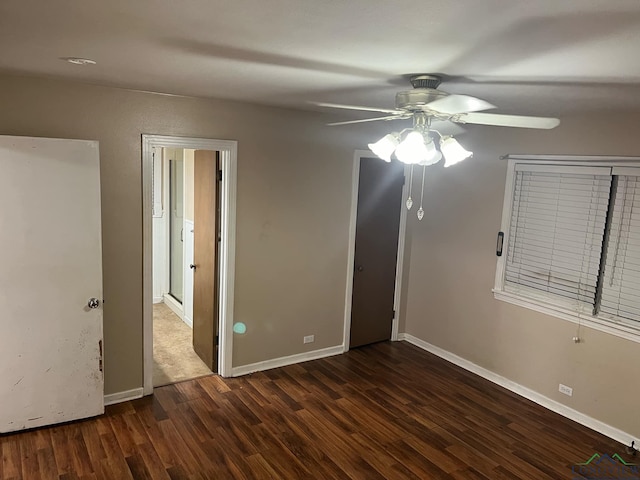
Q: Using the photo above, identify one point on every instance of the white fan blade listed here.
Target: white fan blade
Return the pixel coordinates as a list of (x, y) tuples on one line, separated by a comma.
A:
[(453, 104), (356, 107), (447, 127), (498, 120), (391, 117)]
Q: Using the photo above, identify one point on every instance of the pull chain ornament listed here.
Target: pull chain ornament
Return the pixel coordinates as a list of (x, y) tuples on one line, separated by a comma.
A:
[(409, 201), (421, 210)]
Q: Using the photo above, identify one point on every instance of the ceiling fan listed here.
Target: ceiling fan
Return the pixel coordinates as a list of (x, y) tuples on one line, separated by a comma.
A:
[(426, 104), (439, 105)]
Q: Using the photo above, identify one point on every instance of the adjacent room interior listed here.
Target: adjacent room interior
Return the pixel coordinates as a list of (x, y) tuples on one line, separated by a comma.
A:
[(185, 248), (367, 240)]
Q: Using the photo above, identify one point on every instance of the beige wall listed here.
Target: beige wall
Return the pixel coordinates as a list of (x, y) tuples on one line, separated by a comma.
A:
[(452, 265), (294, 180)]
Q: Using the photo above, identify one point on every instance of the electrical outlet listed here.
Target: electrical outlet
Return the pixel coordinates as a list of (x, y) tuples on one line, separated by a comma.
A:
[(309, 339), (566, 390)]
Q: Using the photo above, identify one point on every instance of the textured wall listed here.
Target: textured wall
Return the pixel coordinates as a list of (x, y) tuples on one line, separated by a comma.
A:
[(449, 302), (294, 188)]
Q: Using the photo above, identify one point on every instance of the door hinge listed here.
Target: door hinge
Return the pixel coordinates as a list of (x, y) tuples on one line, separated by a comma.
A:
[(394, 314), (100, 348), (217, 339), (219, 175)]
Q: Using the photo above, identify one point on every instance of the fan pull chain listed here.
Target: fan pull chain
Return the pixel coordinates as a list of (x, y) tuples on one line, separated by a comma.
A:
[(421, 210), (409, 200)]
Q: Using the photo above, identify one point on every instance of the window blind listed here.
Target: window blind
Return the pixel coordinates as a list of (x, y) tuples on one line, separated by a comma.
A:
[(558, 220), (621, 284)]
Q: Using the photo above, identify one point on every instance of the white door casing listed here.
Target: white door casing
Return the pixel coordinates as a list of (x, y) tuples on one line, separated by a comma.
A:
[(50, 266), (228, 150)]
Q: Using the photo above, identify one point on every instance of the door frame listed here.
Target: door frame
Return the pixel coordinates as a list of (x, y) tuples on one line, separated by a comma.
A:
[(229, 164), (355, 184)]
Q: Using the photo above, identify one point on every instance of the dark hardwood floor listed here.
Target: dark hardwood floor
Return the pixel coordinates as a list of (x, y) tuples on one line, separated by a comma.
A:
[(388, 410)]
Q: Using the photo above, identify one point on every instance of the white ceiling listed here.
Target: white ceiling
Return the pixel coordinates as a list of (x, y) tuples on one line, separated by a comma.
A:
[(545, 57)]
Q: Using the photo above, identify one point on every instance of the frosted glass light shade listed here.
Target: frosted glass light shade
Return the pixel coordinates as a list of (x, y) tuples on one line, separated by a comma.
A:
[(435, 157), (412, 149), (384, 147), (452, 151)]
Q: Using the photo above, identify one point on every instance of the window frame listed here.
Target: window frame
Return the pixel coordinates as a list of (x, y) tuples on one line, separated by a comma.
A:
[(540, 302)]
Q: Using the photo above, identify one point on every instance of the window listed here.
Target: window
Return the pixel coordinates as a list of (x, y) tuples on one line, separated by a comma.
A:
[(571, 247)]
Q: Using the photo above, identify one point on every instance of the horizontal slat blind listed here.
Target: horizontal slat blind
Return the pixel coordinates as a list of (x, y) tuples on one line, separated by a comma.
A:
[(621, 284), (556, 232)]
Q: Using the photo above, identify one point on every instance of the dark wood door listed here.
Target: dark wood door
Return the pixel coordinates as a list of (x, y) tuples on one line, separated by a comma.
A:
[(377, 229), (205, 257)]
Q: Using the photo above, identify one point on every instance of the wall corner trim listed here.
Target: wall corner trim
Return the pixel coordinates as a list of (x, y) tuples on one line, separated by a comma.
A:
[(120, 397), (284, 361), (557, 407)]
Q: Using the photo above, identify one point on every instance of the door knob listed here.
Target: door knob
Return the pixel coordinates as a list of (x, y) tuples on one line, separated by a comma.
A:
[(93, 303), (360, 268), (192, 266)]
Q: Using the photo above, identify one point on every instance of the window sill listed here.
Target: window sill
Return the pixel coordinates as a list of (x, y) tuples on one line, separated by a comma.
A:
[(610, 327)]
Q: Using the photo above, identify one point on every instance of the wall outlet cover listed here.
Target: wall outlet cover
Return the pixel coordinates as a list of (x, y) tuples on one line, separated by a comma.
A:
[(566, 390)]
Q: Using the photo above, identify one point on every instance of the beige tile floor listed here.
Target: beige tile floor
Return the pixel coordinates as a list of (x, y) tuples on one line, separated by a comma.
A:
[(173, 357)]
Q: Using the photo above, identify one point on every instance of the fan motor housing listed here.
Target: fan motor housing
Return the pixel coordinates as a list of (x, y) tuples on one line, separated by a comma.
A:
[(416, 99)]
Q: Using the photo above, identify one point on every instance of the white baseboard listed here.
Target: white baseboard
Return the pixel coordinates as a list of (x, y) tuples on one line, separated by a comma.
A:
[(120, 397), (284, 361), (188, 321), (174, 305), (557, 407), (158, 299)]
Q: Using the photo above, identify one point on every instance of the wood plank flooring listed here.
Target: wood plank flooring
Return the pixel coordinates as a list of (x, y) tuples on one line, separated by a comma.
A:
[(386, 411)]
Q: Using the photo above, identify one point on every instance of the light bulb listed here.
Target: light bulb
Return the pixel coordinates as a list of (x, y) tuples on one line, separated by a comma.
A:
[(452, 151), (412, 149), (384, 147)]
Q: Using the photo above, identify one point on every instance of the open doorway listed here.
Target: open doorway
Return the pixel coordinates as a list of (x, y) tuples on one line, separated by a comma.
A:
[(189, 240), (185, 262)]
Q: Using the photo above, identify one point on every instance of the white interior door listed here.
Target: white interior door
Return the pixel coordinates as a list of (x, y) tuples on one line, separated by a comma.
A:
[(50, 267)]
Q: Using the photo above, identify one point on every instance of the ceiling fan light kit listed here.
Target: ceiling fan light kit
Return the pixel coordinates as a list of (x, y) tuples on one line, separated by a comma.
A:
[(424, 104), (416, 147)]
